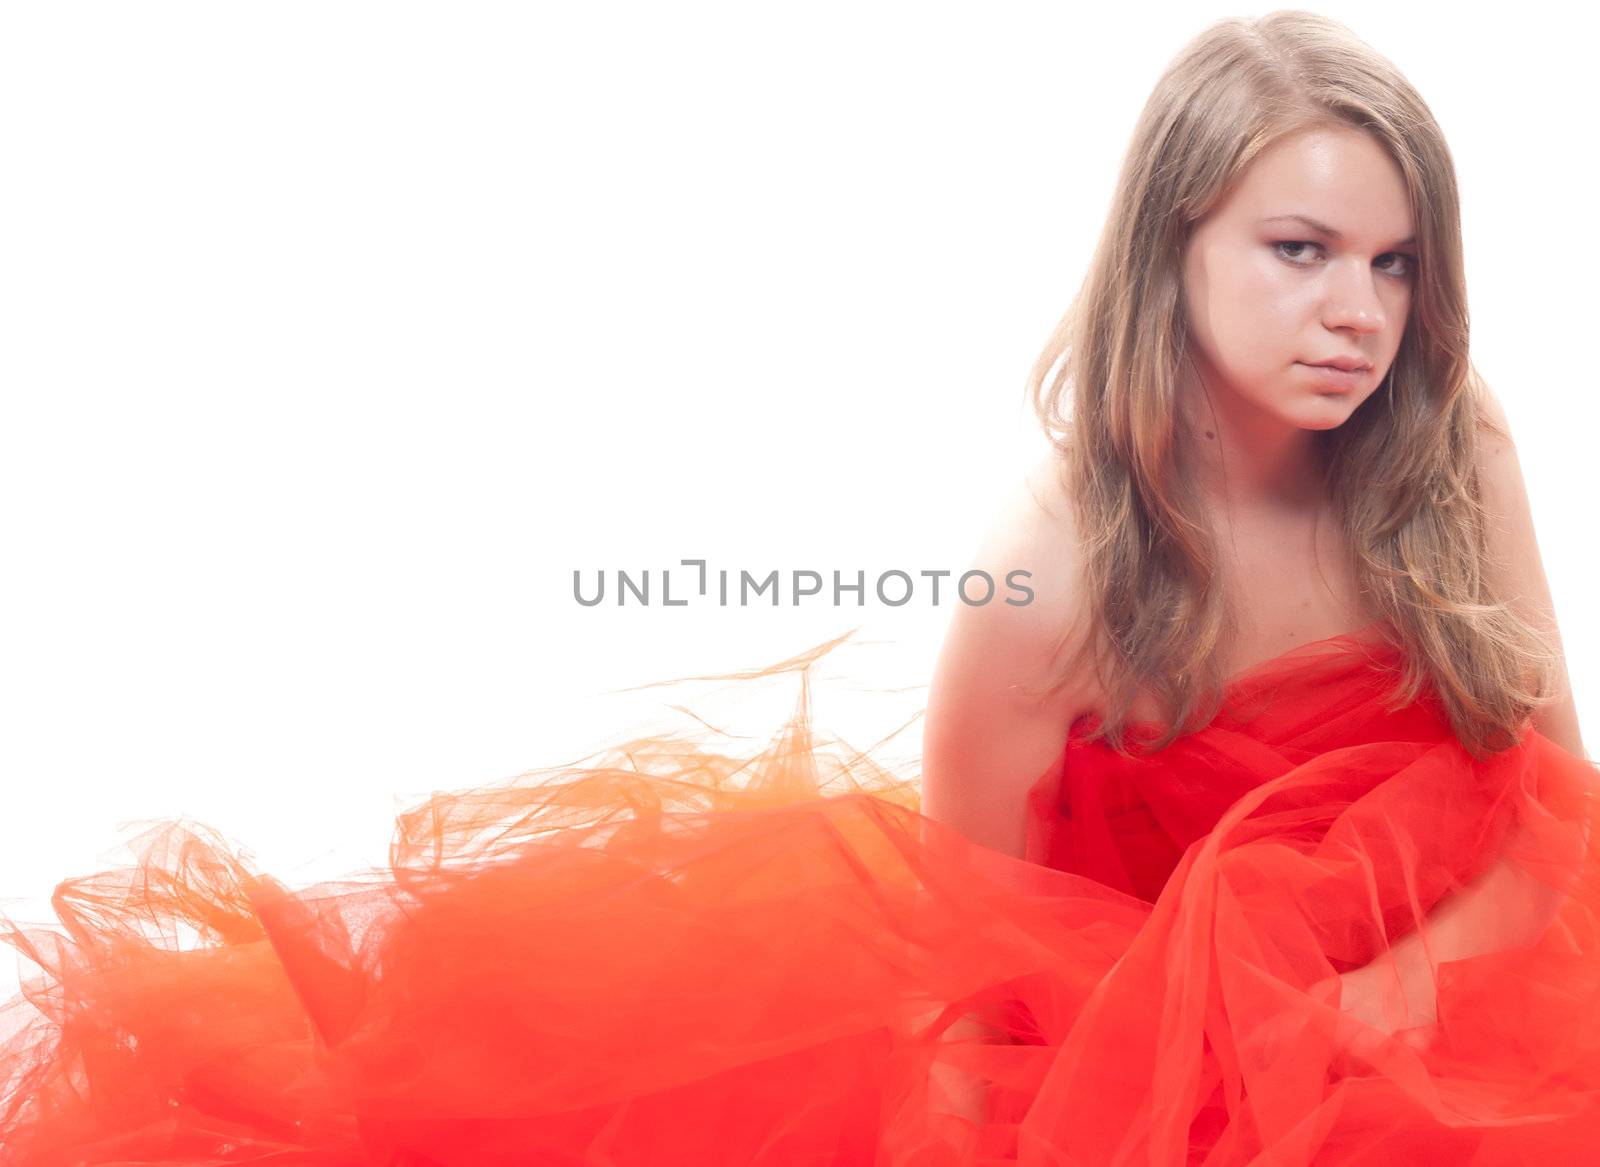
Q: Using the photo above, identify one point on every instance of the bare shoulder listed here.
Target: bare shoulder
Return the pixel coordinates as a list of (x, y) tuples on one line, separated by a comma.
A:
[(1494, 428), (992, 729), (1034, 541)]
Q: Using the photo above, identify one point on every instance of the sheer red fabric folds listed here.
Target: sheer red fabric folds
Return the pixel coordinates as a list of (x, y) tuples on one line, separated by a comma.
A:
[(676, 955)]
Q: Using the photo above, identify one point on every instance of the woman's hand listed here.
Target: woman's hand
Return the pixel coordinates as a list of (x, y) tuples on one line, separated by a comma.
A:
[(1390, 996)]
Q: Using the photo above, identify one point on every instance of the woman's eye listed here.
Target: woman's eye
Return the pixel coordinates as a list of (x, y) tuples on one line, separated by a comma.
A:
[(1408, 268), (1405, 271), (1293, 243)]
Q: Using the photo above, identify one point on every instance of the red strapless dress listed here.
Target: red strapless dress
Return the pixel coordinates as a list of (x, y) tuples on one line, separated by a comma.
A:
[(680, 957)]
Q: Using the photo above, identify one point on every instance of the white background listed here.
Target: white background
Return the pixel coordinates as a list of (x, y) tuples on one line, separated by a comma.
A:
[(336, 337)]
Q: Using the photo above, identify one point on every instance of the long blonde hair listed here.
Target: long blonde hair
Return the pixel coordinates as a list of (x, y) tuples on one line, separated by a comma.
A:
[(1401, 472)]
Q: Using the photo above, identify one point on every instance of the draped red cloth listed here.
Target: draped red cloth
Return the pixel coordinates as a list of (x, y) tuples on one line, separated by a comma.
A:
[(677, 956)]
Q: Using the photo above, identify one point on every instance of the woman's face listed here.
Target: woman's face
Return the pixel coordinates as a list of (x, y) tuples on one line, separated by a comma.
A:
[(1269, 294)]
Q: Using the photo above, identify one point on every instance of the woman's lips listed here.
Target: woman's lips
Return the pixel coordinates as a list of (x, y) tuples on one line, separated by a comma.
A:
[(1333, 378)]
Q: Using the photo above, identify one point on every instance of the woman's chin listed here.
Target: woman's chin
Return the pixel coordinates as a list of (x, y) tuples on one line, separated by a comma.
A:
[(1328, 413)]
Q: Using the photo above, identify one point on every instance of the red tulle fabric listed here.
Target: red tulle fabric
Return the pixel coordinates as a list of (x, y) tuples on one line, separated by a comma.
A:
[(679, 956)]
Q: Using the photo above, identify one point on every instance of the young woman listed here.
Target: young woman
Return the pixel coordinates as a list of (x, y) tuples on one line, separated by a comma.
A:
[(1261, 835), (1275, 452)]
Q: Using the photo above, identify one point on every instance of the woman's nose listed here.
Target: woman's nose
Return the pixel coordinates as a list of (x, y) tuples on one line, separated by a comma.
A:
[(1353, 301)]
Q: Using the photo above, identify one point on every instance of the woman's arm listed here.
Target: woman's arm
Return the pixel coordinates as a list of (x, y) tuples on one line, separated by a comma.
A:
[(985, 741), (1517, 567), (1506, 907)]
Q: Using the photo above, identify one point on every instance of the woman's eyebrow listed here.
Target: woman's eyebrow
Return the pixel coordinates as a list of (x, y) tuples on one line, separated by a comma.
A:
[(1326, 230)]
